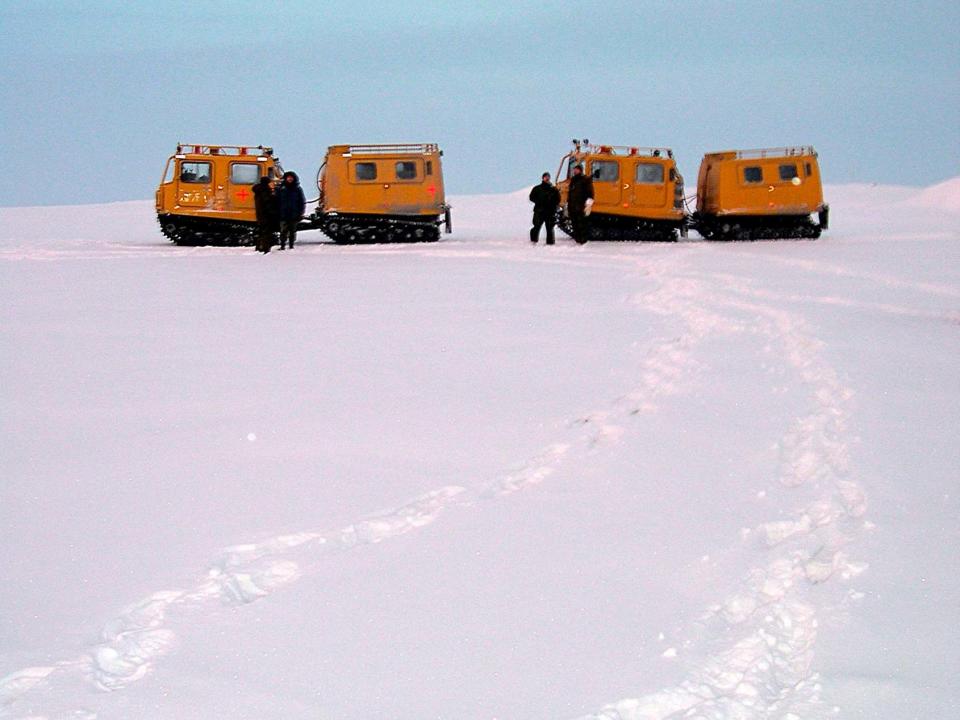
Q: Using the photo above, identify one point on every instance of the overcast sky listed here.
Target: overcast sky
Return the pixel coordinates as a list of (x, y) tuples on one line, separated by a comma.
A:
[(96, 94)]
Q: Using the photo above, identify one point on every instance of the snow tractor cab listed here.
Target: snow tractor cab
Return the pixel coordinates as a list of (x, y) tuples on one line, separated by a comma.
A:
[(381, 193), (205, 196), (638, 191), (760, 194)]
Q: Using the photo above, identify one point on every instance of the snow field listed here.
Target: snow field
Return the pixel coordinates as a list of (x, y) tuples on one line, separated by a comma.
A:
[(670, 327)]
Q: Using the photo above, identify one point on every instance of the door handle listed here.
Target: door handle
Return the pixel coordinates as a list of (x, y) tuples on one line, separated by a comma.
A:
[(626, 186)]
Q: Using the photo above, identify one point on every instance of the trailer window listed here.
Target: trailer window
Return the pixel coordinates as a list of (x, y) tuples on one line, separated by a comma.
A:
[(753, 174), (366, 171), (244, 173), (651, 173), (605, 170), (195, 172), (808, 169), (788, 172), (406, 170), (429, 170)]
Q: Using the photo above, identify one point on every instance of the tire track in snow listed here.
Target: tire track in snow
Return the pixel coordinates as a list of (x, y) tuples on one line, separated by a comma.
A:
[(825, 268), (951, 316), (767, 663), (768, 629), (135, 639), (132, 643)]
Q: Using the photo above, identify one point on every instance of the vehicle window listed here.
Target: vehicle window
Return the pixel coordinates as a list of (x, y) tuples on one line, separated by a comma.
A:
[(807, 166), (195, 172), (753, 174), (406, 170), (788, 172), (429, 170), (605, 170), (571, 164), (244, 173), (366, 171), (649, 173)]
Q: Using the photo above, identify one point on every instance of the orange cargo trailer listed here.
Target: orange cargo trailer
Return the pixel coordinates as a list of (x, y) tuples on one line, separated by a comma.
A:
[(756, 194), (382, 193)]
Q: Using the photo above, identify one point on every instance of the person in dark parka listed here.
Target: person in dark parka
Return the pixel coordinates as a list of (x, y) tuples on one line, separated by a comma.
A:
[(265, 201), (293, 204), (579, 202), (546, 199)]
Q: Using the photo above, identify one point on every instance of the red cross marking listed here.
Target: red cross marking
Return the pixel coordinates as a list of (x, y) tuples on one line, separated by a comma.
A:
[(243, 194)]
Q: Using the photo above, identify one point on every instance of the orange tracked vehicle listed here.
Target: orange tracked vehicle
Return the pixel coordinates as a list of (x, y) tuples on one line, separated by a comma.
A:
[(759, 194), (205, 196), (381, 193), (638, 191)]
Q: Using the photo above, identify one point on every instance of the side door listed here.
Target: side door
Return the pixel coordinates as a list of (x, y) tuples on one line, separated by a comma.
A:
[(606, 181), (194, 183), (649, 184), (242, 177), (366, 188), (789, 193), (403, 191), (751, 187)]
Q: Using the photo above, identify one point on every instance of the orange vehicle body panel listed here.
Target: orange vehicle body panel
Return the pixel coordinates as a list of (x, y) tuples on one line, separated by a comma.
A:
[(628, 181), (391, 180), (780, 181), (214, 181)]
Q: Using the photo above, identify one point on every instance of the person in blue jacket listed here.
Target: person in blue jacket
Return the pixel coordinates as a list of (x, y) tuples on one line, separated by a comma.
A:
[(292, 204)]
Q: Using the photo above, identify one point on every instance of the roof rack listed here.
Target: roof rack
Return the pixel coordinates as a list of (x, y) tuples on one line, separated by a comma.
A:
[(406, 148), (201, 149), (771, 152), (627, 150)]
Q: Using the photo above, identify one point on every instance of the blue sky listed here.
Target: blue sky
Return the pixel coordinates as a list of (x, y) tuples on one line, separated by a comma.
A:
[(96, 94)]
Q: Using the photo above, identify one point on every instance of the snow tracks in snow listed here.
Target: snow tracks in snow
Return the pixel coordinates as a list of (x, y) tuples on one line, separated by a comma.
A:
[(751, 654)]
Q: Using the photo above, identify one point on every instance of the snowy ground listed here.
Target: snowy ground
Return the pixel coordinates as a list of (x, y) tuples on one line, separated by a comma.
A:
[(481, 479)]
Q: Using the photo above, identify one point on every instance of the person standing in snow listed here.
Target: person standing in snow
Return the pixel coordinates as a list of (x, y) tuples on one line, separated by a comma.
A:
[(579, 202), (293, 204), (546, 199), (265, 202)]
